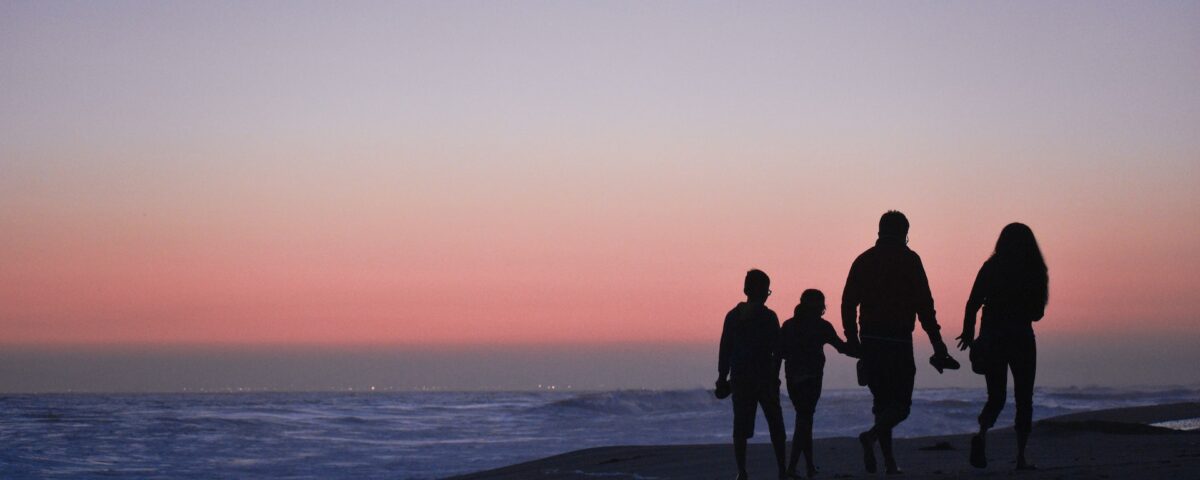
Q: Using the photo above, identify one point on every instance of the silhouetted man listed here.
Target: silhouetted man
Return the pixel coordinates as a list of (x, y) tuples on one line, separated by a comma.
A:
[(748, 366), (886, 289)]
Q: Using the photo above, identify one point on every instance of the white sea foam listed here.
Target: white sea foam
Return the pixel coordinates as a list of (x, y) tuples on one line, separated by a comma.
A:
[(1186, 424)]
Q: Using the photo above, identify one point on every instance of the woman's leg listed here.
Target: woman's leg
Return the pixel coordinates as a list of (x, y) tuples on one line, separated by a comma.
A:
[(997, 390), (1024, 370)]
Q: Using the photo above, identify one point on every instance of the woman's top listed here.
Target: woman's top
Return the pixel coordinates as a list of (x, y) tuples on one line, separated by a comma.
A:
[(1013, 297)]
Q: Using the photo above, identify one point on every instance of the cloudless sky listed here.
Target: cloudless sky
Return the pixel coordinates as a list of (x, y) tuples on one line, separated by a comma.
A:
[(455, 174)]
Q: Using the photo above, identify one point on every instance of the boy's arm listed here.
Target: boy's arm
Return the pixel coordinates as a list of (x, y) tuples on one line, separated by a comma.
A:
[(725, 350), (784, 345), (776, 352)]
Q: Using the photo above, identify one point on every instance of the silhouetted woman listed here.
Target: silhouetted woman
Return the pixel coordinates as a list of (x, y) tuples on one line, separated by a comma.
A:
[(1012, 287)]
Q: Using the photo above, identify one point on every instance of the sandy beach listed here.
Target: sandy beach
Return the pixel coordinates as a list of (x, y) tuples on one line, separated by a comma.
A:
[(1119, 443)]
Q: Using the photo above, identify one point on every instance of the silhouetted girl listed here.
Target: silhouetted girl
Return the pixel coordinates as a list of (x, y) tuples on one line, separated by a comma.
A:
[(1012, 287), (802, 341)]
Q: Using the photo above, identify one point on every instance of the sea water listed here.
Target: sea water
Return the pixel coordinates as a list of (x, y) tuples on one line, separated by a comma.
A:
[(420, 435)]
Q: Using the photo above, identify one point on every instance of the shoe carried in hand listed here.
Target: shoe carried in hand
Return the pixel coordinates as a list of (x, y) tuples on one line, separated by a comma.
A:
[(944, 362), (723, 389)]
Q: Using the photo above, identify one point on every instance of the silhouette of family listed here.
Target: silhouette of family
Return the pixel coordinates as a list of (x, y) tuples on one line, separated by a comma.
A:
[(886, 294)]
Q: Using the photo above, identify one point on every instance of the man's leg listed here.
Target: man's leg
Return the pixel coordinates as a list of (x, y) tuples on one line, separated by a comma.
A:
[(739, 454), (899, 385), (875, 383), (794, 458)]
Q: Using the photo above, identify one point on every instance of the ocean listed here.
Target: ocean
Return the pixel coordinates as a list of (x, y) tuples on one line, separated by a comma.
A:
[(423, 435)]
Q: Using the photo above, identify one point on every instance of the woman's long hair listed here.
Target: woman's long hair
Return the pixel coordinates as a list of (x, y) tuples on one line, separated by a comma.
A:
[(1020, 263)]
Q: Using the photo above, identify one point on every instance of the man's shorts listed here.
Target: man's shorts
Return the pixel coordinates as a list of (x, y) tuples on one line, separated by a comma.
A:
[(747, 398)]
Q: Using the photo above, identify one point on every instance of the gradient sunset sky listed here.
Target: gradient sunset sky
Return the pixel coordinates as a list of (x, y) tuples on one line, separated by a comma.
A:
[(456, 174)]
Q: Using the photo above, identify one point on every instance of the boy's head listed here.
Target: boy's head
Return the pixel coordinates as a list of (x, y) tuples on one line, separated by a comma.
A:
[(758, 285), (812, 303)]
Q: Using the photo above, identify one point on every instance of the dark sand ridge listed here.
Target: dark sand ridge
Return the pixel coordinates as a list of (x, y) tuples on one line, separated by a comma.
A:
[(1117, 444)]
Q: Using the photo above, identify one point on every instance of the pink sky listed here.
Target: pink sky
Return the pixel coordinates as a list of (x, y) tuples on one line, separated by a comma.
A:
[(435, 175)]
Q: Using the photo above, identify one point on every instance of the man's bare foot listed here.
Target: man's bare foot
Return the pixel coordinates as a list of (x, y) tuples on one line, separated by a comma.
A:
[(812, 471), (978, 456), (868, 445), (743, 476), (1023, 465)]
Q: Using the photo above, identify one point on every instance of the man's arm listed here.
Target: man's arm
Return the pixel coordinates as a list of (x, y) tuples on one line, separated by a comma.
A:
[(851, 298), (925, 312)]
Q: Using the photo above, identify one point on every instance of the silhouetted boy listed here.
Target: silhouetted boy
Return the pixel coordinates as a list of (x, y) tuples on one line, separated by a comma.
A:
[(749, 367), (802, 341)]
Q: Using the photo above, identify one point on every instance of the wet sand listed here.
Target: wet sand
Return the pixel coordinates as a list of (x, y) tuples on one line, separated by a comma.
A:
[(1116, 444)]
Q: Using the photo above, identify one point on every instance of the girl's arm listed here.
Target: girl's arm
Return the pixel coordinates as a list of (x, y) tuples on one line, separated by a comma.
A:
[(832, 338)]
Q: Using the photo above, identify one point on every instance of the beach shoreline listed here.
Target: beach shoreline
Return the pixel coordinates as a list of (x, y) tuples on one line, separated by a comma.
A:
[(1115, 443)]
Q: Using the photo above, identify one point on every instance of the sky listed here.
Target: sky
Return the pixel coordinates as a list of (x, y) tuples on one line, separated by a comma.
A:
[(399, 180)]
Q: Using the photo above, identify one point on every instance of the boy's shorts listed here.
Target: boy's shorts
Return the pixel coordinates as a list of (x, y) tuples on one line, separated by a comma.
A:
[(746, 399)]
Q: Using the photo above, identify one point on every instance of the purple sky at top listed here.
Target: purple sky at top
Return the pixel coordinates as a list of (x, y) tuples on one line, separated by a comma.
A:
[(548, 172)]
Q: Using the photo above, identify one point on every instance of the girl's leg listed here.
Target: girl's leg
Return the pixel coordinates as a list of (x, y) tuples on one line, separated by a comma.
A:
[(806, 443), (796, 444), (798, 405), (813, 398), (804, 396)]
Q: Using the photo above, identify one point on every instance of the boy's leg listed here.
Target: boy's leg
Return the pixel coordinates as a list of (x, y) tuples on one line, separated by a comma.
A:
[(774, 416), (745, 406)]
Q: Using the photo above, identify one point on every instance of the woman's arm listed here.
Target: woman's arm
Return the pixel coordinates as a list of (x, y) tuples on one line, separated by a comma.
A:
[(974, 302)]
